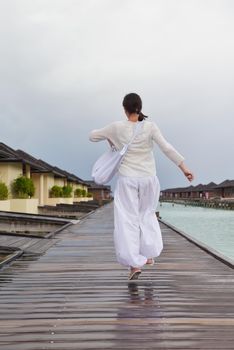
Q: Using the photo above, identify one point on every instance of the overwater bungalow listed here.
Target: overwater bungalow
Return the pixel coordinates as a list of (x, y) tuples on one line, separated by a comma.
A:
[(225, 189), (15, 163), (99, 192), (201, 191)]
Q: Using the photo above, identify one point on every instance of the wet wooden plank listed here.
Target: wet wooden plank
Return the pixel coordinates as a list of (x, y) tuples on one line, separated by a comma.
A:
[(29, 245), (75, 296)]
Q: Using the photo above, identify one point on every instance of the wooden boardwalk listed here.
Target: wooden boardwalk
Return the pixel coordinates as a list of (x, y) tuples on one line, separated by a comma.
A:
[(76, 296)]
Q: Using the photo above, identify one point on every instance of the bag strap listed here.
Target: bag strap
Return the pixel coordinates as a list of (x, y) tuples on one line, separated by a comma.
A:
[(137, 129)]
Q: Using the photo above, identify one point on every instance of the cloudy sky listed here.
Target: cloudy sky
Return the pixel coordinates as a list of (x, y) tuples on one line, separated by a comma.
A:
[(65, 66)]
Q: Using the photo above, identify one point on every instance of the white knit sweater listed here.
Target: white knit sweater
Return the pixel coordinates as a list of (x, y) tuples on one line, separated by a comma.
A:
[(139, 160)]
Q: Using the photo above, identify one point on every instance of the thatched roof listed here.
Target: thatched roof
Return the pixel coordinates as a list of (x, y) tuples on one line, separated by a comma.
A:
[(93, 185), (37, 167), (8, 154), (226, 183), (200, 187)]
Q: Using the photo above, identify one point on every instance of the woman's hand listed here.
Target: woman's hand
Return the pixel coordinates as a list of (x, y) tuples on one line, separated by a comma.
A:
[(186, 171)]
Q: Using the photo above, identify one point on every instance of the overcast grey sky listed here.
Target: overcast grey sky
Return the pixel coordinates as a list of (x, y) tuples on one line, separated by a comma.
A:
[(66, 65)]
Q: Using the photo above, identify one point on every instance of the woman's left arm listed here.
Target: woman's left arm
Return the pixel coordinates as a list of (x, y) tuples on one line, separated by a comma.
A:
[(165, 146), (186, 171), (171, 152)]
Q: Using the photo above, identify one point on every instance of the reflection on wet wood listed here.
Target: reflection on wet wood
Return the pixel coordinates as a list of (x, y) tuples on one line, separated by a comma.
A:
[(76, 296)]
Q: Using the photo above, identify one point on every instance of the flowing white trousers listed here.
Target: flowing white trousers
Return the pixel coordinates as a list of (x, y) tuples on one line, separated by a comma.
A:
[(137, 234)]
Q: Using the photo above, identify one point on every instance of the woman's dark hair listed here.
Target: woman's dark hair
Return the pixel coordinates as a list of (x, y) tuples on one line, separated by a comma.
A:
[(132, 104)]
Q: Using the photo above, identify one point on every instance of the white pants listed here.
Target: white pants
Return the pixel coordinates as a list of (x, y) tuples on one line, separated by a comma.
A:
[(137, 234)]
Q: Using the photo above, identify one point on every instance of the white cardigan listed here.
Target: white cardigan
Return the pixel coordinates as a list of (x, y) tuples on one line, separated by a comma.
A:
[(139, 160)]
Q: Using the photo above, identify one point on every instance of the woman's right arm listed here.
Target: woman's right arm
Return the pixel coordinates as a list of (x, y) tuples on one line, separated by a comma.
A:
[(101, 134)]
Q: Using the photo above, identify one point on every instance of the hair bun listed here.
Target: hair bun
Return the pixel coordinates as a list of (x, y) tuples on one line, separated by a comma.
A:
[(142, 116)]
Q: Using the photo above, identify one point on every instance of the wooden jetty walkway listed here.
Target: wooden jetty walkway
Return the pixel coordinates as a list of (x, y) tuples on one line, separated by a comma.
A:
[(75, 296)]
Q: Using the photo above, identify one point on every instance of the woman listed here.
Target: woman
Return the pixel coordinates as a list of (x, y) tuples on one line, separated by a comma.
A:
[(137, 234)]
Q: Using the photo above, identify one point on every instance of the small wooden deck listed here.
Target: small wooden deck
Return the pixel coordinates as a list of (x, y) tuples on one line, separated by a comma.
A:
[(76, 296)]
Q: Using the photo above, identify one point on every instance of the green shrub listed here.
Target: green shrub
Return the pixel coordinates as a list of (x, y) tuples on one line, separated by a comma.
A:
[(84, 193), (23, 187), (78, 192), (67, 191), (81, 193), (56, 191), (89, 194), (3, 191)]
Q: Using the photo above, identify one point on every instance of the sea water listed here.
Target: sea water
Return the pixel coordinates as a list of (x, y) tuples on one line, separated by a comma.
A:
[(214, 227)]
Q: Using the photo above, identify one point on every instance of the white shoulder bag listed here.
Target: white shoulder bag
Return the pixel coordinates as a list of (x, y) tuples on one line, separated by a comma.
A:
[(108, 164)]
